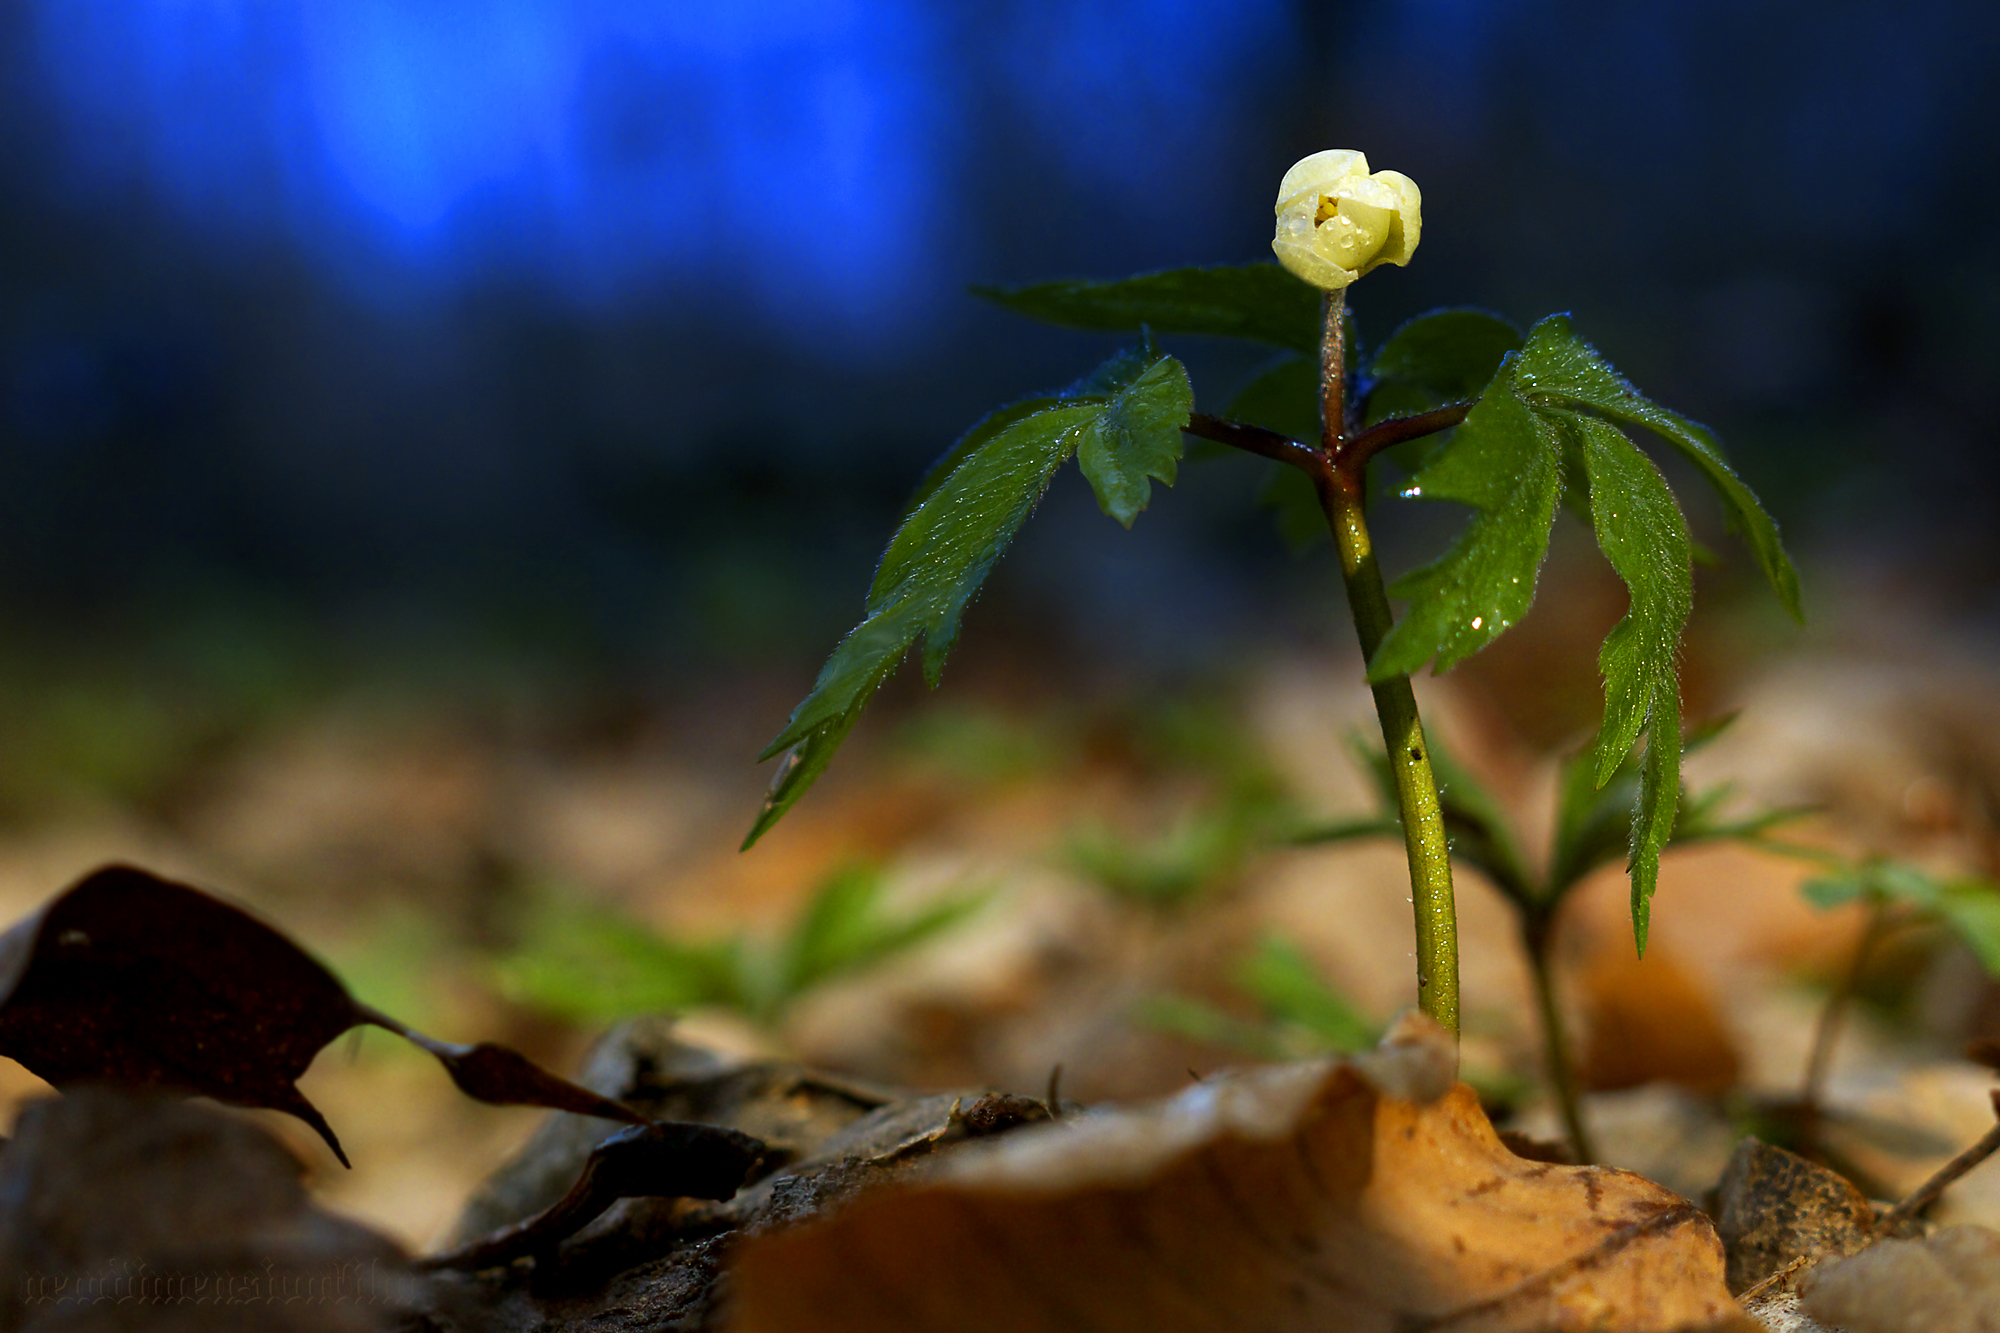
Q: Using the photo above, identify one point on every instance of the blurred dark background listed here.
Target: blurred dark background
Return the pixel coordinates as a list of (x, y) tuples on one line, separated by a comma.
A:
[(612, 334)]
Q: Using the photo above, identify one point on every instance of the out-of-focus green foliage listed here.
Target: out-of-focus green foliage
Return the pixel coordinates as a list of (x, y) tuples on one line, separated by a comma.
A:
[(1967, 905), (1202, 848), (1244, 811), (589, 964), (1301, 1014), (985, 745)]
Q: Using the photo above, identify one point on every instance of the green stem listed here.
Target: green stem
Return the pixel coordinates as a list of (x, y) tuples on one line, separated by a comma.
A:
[(1341, 488), (1537, 933)]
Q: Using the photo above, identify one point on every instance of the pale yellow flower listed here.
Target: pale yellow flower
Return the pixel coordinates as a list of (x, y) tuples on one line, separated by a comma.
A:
[(1337, 220)]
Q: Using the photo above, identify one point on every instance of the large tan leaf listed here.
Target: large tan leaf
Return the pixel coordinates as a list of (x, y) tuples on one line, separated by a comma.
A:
[(1364, 1195)]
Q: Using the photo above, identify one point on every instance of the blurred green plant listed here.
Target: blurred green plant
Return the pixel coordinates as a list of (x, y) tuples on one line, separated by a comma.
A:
[(1591, 831), (1243, 809), (1897, 896), (588, 964), (1301, 1014), (984, 745), (1202, 848)]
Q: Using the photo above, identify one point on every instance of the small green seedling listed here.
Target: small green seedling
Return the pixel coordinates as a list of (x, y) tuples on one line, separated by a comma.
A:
[(1242, 811), (593, 965), (1510, 425), (1302, 1015), (1591, 831), (1897, 896)]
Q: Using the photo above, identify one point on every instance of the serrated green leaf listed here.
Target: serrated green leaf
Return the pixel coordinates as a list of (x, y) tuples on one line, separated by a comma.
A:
[(946, 546), (1442, 357), (1558, 367), (1641, 532), (988, 426), (800, 766), (1117, 371), (1261, 302), (1653, 820), (1136, 438), (1506, 464)]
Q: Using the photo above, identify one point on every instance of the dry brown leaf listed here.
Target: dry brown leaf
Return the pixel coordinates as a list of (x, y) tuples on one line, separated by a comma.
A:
[(124, 1210), (1366, 1195)]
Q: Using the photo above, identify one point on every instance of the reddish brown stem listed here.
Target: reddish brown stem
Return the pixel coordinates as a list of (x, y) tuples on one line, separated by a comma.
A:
[(1396, 430), (1256, 440)]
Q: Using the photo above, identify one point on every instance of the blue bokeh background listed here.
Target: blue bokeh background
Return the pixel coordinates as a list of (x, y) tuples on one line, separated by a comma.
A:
[(629, 324)]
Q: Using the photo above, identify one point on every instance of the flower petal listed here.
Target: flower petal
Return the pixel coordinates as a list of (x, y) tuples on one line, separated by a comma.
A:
[(1316, 175)]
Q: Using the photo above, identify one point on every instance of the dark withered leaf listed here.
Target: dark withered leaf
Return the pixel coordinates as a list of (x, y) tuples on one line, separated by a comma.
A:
[(132, 979), (663, 1160)]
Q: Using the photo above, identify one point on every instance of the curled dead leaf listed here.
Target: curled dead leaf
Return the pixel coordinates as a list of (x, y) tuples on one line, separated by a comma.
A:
[(1369, 1194), (131, 979), (638, 1162)]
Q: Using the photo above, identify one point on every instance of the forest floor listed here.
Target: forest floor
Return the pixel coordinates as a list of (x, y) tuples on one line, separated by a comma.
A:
[(422, 845)]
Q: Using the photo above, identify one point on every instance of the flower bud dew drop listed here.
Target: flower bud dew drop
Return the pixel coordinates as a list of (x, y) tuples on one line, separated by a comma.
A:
[(1337, 220)]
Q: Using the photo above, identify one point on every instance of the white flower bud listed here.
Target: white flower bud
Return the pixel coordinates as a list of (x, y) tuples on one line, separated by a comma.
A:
[(1336, 220)]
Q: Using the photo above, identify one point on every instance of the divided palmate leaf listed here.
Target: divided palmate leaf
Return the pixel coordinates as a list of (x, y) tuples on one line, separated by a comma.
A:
[(1128, 416), (1506, 463), (1549, 420), (1136, 438), (1261, 302), (1558, 366), (1439, 358), (1641, 532)]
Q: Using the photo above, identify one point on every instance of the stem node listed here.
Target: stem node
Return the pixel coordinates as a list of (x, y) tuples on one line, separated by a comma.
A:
[(1339, 481)]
